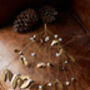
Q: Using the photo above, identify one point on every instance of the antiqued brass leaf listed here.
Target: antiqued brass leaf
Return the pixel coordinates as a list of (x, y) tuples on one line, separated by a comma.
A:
[(60, 52), (19, 82), (14, 81), (54, 42), (24, 77), (34, 86), (26, 83), (10, 75), (24, 60), (7, 74), (71, 57), (3, 75), (41, 65), (18, 51)]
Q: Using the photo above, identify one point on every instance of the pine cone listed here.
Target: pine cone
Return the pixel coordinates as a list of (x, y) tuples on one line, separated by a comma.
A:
[(25, 20), (48, 14)]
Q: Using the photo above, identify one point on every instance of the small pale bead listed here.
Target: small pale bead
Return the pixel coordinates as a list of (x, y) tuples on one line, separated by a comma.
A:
[(72, 78), (67, 83), (32, 39), (33, 54), (34, 36), (30, 80), (49, 84), (47, 39), (57, 54), (55, 36), (48, 64), (60, 39), (66, 62), (40, 87)]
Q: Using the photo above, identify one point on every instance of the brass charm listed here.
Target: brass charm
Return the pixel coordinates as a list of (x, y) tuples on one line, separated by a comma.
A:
[(7, 74), (26, 83)]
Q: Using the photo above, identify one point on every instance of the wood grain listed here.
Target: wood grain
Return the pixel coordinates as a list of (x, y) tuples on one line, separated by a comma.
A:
[(75, 41), (82, 8)]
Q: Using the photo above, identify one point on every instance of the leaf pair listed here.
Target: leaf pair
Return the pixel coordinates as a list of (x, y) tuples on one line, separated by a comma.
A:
[(21, 81), (7, 74)]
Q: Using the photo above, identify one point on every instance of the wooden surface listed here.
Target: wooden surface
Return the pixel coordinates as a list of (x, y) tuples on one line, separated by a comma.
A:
[(82, 8), (75, 41)]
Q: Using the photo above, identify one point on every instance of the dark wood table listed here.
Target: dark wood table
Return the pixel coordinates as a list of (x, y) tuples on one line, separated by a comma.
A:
[(75, 41)]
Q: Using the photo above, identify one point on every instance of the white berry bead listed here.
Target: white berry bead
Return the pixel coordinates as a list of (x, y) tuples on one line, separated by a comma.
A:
[(32, 39), (72, 78), (49, 84), (48, 64), (67, 83), (57, 54), (55, 36), (33, 54), (60, 39), (47, 39), (66, 62), (40, 86), (34, 36)]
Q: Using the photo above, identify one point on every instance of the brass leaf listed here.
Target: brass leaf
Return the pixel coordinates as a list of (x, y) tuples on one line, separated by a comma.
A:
[(41, 65), (7, 74), (24, 77), (60, 52), (19, 82), (24, 60), (72, 58), (18, 51), (10, 75), (54, 42), (26, 83), (3, 75), (14, 81)]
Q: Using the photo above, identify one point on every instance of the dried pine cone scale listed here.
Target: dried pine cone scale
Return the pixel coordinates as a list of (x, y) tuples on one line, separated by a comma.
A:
[(48, 14), (25, 20)]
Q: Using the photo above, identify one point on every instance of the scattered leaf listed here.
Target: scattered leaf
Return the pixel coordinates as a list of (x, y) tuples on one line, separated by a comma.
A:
[(24, 77), (54, 42), (26, 84), (3, 75), (19, 82), (9, 75), (24, 60), (14, 81), (18, 51), (41, 65), (60, 52)]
